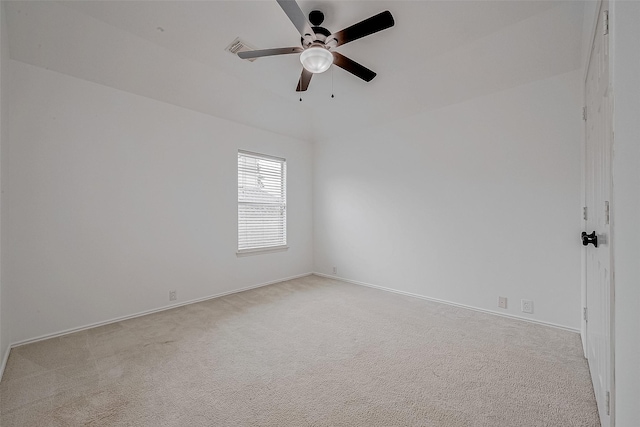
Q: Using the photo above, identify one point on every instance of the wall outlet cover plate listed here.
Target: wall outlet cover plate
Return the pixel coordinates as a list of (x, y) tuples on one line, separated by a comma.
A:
[(502, 302)]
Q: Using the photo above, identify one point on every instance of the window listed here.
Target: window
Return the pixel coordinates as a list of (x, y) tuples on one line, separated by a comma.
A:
[(262, 202)]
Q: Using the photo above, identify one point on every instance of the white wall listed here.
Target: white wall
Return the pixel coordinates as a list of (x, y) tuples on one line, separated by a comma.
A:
[(112, 199), (462, 204), (625, 27)]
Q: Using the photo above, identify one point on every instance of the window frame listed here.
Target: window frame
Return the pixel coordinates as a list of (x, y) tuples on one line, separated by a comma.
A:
[(262, 249)]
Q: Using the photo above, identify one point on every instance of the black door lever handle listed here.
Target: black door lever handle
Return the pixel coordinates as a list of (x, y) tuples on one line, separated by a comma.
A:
[(589, 238)]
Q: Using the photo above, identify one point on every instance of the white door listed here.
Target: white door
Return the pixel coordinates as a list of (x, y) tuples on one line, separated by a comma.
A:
[(598, 200)]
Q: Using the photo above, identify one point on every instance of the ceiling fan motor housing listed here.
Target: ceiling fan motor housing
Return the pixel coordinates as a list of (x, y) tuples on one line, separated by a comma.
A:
[(320, 35)]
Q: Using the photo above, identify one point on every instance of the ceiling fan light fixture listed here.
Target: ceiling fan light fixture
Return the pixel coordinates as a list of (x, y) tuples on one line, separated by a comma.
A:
[(316, 59)]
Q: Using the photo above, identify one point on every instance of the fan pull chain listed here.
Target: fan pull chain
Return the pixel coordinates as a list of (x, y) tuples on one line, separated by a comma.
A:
[(332, 67)]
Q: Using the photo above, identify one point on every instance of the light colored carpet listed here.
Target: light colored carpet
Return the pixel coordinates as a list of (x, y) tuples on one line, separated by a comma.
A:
[(307, 352)]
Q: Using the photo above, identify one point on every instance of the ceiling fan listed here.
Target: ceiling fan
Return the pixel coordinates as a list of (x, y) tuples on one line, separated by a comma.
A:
[(317, 52)]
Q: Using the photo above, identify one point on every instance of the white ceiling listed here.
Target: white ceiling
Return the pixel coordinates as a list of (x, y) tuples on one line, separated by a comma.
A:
[(438, 53)]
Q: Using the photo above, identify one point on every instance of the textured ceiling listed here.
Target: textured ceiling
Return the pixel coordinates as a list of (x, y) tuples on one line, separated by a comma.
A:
[(438, 53)]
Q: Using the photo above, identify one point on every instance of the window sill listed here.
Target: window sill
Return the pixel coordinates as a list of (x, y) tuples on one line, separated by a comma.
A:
[(249, 252)]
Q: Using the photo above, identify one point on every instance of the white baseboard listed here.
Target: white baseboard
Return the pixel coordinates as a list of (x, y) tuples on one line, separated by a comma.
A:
[(4, 361), (144, 313), (468, 307)]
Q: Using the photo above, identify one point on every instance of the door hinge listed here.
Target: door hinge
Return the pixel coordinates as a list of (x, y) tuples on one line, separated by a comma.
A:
[(607, 403), (584, 113), (584, 314), (606, 212), (584, 213), (605, 23)]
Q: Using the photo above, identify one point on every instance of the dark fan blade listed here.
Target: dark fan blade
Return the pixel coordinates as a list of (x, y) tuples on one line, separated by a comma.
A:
[(269, 52), (353, 67), (305, 78), (296, 16), (364, 28)]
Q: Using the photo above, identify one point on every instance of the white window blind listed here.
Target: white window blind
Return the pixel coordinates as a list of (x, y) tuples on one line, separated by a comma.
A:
[(262, 201)]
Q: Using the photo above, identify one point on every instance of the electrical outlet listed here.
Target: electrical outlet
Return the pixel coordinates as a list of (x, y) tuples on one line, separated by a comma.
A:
[(335, 270), (502, 302), (527, 306), (173, 296)]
